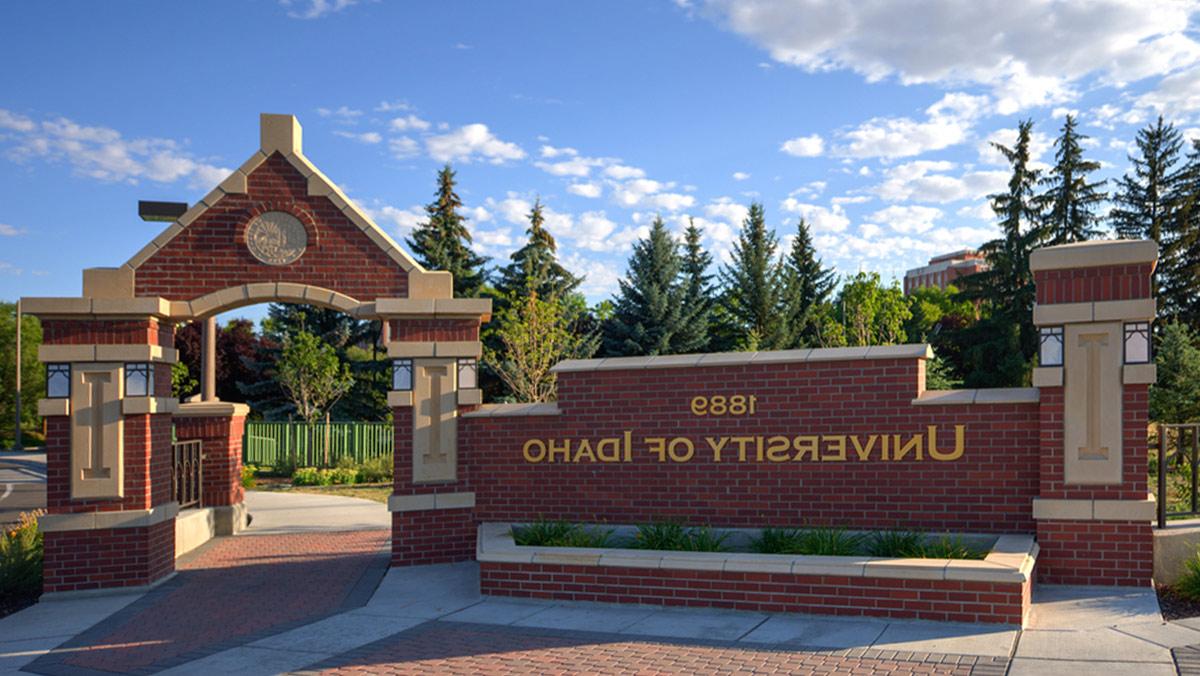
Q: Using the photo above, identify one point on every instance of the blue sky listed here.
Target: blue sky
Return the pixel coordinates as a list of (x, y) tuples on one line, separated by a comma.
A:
[(870, 119)]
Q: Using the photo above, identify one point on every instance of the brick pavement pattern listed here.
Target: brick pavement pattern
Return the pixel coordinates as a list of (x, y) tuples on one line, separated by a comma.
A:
[(231, 591), (459, 648)]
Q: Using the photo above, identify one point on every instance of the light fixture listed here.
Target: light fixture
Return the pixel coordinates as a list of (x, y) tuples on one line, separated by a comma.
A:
[(1050, 346), (139, 379), (402, 374), (58, 381), (1137, 343), (468, 374)]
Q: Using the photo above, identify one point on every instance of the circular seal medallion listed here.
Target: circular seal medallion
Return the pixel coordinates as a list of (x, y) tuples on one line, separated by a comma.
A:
[(276, 238)]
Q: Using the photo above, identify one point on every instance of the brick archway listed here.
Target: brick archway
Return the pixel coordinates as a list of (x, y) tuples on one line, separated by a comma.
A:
[(276, 230)]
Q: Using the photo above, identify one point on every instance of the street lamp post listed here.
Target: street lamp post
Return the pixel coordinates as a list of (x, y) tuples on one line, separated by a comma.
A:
[(17, 394)]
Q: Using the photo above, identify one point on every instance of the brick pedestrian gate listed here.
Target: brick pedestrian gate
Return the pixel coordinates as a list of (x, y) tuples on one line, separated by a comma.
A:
[(276, 230)]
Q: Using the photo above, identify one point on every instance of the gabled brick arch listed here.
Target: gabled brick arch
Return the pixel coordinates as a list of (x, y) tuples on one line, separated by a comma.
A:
[(114, 524)]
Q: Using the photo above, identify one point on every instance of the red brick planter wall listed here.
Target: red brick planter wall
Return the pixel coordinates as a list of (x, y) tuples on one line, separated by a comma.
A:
[(113, 557), (763, 592)]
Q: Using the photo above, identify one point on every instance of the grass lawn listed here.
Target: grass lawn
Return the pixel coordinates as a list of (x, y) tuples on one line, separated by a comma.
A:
[(375, 492)]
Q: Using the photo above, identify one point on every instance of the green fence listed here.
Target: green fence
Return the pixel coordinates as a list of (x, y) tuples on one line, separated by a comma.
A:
[(316, 445)]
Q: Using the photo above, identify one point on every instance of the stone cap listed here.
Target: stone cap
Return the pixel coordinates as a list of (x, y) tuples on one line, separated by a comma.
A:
[(993, 395), (98, 307), (513, 410), (212, 409), (913, 351), (1093, 254)]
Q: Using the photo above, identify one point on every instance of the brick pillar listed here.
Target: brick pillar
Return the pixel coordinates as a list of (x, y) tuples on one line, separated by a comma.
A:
[(220, 426), (1094, 512), (111, 521)]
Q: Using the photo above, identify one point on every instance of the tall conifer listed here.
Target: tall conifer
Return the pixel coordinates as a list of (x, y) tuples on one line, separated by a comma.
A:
[(535, 267), (699, 295), (1071, 200), (806, 286), (443, 242), (752, 288), (649, 309)]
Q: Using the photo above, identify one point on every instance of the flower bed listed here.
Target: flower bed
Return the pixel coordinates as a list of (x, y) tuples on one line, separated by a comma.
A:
[(995, 589)]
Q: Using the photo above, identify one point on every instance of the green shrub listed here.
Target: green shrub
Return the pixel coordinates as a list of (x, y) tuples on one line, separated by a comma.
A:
[(1189, 584), (342, 475), (703, 539), (21, 558), (249, 476), (311, 476), (830, 542), (778, 541), (559, 534), (667, 536), (947, 547), (376, 470), (895, 544)]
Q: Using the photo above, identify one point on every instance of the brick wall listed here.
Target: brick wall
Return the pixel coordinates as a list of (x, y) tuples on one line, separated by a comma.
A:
[(424, 330), (107, 332), (944, 600), (437, 536), (1095, 552), (989, 489), (1078, 285), (210, 254), (115, 557), (222, 449)]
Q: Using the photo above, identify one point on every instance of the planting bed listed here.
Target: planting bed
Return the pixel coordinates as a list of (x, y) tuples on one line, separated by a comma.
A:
[(995, 589)]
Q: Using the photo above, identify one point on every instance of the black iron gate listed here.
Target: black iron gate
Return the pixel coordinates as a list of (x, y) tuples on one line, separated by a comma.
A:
[(1178, 454), (187, 481)]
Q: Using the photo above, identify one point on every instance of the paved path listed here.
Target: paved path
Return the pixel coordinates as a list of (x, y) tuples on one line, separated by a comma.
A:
[(22, 484), (277, 512)]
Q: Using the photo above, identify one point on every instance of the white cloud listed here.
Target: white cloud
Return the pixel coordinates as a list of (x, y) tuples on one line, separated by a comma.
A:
[(907, 219), (15, 122), (369, 137), (479, 214), (315, 9), (804, 146), (10, 230), (1040, 143), (549, 151), (591, 190), (471, 142), (409, 123), (948, 122), (403, 220), (927, 181), (576, 166), (1176, 96), (7, 268), (622, 172), (392, 107), (740, 176), (404, 147), (819, 218), (982, 211), (343, 113), (1029, 52)]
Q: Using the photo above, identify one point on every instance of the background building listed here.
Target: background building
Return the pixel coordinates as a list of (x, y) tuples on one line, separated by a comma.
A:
[(943, 270)]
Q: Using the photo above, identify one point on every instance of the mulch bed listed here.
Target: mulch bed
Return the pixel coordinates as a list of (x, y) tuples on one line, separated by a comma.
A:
[(11, 604), (1176, 606)]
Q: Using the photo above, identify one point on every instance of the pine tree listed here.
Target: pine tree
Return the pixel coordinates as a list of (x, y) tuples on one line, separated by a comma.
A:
[(1071, 199), (535, 267), (1181, 252), (699, 295), (1144, 199), (752, 284), (807, 284), (650, 309), (443, 242)]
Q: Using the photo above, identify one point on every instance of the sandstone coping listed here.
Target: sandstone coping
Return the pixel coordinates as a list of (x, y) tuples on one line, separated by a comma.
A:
[(107, 353), (212, 409), (513, 410), (98, 308), (1094, 253), (149, 405), (430, 501), (55, 406), (129, 518), (1047, 509), (996, 395), (1011, 560), (914, 351), (1136, 309), (441, 348)]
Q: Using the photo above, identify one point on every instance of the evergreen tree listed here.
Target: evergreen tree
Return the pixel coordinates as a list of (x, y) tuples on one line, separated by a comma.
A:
[(650, 306), (699, 296), (1175, 398), (1071, 199), (1181, 251), (535, 267), (752, 285), (443, 242), (1144, 198), (806, 286), (1007, 286)]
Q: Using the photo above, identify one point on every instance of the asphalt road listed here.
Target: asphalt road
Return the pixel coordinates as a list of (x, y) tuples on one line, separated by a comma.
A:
[(22, 484)]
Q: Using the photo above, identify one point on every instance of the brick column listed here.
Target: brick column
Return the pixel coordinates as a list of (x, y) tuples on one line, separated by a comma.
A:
[(111, 521), (220, 427), (1094, 512)]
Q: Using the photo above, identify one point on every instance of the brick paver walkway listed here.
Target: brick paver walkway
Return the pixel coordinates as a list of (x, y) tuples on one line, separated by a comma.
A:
[(456, 648), (231, 591)]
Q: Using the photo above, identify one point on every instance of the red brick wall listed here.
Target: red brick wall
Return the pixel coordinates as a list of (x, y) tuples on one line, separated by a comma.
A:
[(107, 332), (944, 600), (1095, 552), (989, 489), (210, 254), (115, 557), (1079, 285), (222, 449), (147, 466), (424, 330), (435, 536)]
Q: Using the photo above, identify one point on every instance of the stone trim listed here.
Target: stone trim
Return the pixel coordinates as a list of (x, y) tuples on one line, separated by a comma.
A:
[(414, 308), (109, 353), (399, 398), (1045, 509), (513, 410), (447, 348), (257, 292), (212, 409), (915, 351), (1139, 374), (56, 406), (996, 395), (130, 518), (1011, 560), (148, 405), (1048, 376), (1096, 253), (470, 397), (1137, 309), (430, 501), (104, 308), (108, 283)]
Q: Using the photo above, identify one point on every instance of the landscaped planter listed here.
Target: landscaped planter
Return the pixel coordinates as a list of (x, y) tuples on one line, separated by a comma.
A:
[(995, 590)]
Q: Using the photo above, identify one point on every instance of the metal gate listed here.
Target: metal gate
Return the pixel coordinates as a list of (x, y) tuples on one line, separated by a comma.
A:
[(187, 473), (1178, 452)]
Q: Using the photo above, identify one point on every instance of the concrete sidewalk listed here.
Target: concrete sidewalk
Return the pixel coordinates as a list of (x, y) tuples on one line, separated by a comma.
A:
[(22, 483), (276, 513)]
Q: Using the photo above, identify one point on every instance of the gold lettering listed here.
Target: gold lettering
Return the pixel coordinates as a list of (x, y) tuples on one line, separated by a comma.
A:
[(628, 446), (657, 445), (777, 449), (741, 444), (806, 446), (915, 443), (681, 457), (613, 443), (565, 449), (886, 439), (716, 448), (584, 451), (534, 443), (864, 454), (836, 444), (959, 433)]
